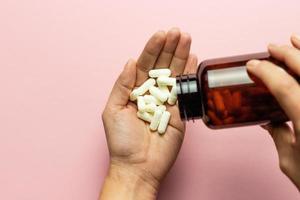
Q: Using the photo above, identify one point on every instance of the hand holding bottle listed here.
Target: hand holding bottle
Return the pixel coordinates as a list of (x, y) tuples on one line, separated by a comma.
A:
[(286, 90)]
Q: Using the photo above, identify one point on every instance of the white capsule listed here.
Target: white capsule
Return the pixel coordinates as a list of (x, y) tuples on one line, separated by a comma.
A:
[(141, 103), (150, 107), (162, 80), (142, 89), (173, 96), (154, 73), (164, 121), (155, 120), (151, 99), (145, 116), (162, 96), (134, 94), (165, 89), (162, 108)]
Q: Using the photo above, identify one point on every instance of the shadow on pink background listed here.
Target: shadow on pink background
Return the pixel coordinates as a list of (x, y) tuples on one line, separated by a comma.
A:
[(59, 60)]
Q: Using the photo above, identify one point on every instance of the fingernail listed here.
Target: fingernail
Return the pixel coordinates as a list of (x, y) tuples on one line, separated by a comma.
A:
[(186, 36), (296, 36), (175, 29), (252, 64), (272, 46)]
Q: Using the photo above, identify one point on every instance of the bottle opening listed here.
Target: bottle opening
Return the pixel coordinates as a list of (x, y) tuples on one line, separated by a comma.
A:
[(189, 97)]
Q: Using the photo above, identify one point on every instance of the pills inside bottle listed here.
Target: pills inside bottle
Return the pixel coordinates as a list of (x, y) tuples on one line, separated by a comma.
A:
[(224, 95)]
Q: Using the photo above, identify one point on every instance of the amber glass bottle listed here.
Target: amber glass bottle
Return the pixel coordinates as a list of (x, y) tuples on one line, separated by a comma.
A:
[(224, 95)]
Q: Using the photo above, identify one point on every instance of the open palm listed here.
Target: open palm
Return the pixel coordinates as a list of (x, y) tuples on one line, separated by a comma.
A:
[(130, 141)]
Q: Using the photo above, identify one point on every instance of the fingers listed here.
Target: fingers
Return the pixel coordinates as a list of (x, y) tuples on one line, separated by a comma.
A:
[(284, 139), (125, 83), (149, 56), (281, 133), (181, 54), (167, 53), (295, 39), (284, 87), (289, 55), (191, 64)]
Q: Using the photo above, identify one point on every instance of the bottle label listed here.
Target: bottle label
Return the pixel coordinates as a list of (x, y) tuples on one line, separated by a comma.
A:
[(228, 77)]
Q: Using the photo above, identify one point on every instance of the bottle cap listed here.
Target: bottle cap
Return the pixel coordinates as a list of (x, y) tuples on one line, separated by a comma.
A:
[(189, 97)]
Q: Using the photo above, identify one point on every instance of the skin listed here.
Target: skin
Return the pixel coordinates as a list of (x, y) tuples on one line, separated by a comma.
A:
[(287, 92), (140, 159)]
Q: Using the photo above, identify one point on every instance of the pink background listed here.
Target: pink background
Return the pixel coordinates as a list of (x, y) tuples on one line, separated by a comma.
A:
[(59, 60)]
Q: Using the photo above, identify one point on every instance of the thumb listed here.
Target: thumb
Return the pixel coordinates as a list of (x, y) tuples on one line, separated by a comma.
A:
[(119, 95)]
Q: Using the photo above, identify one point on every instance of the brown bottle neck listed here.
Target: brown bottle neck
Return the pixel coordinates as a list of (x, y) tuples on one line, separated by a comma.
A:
[(189, 97)]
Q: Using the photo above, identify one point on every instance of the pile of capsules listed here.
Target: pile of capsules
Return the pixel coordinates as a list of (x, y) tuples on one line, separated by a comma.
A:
[(223, 106), (229, 106), (151, 97)]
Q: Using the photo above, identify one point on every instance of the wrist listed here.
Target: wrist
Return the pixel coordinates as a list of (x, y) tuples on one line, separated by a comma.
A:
[(127, 182)]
